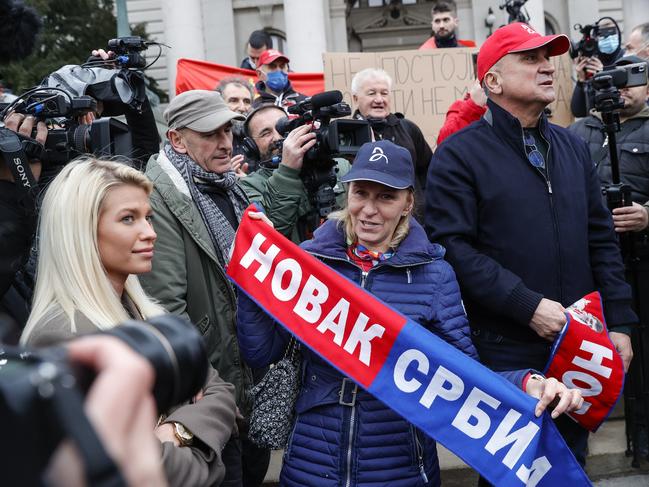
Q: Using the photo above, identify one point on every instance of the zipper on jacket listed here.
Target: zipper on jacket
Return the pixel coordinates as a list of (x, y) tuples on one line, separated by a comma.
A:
[(557, 240), (420, 454), (350, 445), (363, 278)]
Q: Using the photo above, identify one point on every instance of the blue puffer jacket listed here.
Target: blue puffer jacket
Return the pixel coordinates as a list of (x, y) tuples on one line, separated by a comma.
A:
[(362, 443)]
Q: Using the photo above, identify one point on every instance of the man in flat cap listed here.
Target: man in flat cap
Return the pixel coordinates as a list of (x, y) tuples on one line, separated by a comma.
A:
[(516, 201), (198, 205)]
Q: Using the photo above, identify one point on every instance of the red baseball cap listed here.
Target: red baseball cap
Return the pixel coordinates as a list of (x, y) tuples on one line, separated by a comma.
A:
[(270, 55), (516, 37)]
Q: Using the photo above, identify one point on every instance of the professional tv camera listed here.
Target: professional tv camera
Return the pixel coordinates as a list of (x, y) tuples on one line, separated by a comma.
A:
[(607, 85), (67, 138), (41, 396), (598, 41), (334, 138), (337, 138)]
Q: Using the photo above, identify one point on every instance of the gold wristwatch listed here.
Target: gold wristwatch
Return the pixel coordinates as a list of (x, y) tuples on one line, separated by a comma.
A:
[(183, 435)]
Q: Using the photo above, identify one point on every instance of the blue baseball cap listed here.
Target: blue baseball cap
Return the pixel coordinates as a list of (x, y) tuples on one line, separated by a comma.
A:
[(383, 162)]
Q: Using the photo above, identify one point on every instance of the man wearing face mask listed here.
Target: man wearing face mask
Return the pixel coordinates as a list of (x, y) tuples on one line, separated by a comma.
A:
[(608, 45), (273, 85)]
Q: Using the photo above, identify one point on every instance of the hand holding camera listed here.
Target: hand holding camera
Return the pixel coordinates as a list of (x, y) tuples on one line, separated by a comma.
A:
[(296, 145), (587, 67), (24, 125)]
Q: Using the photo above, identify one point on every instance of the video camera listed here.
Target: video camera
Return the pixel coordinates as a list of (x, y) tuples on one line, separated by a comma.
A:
[(41, 393), (588, 45), (66, 137), (607, 84), (333, 138)]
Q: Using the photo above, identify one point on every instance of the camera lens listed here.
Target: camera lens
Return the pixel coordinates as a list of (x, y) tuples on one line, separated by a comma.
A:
[(175, 350)]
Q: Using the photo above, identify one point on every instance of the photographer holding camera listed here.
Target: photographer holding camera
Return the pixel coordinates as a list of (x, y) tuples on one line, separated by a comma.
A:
[(599, 46), (632, 148), (277, 185)]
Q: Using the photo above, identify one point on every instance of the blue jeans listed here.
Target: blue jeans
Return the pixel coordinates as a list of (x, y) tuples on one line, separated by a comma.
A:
[(501, 353)]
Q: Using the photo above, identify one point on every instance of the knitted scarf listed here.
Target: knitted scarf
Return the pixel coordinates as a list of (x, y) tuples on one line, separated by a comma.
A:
[(218, 226)]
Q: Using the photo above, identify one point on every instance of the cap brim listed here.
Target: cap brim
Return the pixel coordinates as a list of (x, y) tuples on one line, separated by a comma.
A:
[(558, 44), (214, 120), (273, 59), (376, 177)]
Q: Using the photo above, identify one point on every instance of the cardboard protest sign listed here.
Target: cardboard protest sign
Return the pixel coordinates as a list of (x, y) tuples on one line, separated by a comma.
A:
[(425, 83)]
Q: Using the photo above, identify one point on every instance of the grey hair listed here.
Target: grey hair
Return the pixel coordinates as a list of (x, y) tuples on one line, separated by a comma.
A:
[(366, 74), (644, 31)]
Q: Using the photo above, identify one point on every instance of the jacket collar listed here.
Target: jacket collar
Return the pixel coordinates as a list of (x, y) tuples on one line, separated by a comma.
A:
[(175, 193), (329, 241), (391, 119), (508, 127)]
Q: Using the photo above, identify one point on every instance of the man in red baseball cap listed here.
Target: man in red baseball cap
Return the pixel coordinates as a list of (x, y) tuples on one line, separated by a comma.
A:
[(273, 85), (517, 203)]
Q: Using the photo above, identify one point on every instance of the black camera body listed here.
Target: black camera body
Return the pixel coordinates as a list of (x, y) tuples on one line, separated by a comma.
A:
[(625, 76), (334, 138), (66, 137), (588, 45), (41, 393), (127, 50)]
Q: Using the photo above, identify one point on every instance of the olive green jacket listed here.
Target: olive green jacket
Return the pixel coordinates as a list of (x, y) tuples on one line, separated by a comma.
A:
[(283, 196), (187, 278)]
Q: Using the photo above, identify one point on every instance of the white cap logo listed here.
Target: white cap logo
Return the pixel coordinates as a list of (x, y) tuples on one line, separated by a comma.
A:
[(377, 154), (529, 29)]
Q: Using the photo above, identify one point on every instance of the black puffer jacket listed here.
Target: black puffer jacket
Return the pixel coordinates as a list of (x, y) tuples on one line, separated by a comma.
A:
[(632, 150)]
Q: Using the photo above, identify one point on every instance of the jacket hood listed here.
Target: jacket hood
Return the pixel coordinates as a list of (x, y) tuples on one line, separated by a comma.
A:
[(329, 241)]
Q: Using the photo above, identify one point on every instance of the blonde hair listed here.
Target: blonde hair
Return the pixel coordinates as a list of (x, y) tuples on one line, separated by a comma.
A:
[(70, 273), (344, 220)]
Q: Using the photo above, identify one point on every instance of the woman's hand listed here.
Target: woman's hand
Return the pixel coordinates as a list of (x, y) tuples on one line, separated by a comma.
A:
[(258, 215), (551, 392)]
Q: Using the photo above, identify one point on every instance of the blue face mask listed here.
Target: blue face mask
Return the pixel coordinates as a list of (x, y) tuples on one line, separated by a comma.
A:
[(277, 80), (608, 44)]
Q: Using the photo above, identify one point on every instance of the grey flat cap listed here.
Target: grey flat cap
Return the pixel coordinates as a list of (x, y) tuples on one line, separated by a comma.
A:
[(199, 110)]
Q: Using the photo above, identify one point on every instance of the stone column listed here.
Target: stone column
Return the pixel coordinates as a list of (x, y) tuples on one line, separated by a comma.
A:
[(305, 34), (183, 23), (218, 25), (636, 12), (537, 15)]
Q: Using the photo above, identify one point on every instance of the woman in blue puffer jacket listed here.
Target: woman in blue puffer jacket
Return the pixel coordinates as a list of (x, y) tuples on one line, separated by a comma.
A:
[(343, 436)]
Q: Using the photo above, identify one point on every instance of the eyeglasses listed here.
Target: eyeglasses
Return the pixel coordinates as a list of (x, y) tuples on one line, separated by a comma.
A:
[(533, 154)]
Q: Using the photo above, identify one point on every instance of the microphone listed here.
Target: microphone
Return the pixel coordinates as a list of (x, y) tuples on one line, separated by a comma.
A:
[(18, 30), (325, 99), (316, 101)]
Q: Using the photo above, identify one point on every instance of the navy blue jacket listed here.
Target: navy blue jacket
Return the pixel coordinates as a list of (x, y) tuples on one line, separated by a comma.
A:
[(367, 443), (514, 237)]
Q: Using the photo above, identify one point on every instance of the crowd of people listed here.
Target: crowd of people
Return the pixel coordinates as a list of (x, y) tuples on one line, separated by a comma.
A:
[(484, 242)]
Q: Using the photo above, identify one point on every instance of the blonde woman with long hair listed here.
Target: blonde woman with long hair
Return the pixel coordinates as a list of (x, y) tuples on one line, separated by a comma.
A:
[(95, 237)]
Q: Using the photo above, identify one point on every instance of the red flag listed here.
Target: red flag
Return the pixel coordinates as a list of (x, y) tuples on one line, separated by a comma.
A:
[(584, 357), (192, 74)]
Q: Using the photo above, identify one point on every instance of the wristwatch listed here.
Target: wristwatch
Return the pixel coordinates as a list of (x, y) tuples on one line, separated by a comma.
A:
[(183, 435)]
